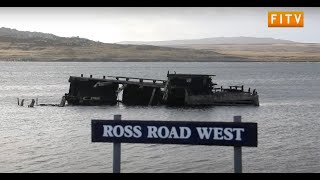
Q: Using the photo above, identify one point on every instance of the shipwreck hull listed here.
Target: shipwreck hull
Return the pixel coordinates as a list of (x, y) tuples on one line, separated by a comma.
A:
[(141, 95), (177, 90), (86, 91), (223, 99)]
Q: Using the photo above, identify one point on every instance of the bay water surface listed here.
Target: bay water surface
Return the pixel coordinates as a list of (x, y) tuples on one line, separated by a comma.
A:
[(58, 139)]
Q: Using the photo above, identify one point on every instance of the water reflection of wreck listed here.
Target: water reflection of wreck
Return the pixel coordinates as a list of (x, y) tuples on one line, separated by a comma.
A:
[(178, 89)]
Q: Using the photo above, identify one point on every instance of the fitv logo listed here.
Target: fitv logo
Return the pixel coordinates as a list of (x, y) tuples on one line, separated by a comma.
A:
[(285, 19)]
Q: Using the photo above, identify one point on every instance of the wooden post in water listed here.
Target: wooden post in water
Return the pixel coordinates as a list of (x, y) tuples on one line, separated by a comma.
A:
[(237, 152), (153, 92), (32, 103), (62, 102), (116, 151), (22, 101)]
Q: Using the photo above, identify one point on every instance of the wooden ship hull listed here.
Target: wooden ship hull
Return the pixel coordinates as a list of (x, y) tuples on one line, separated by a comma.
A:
[(101, 91), (85, 91), (223, 99), (197, 89), (178, 89)]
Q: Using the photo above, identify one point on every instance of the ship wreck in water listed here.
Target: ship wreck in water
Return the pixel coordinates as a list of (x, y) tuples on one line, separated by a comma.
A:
[(177, 90)]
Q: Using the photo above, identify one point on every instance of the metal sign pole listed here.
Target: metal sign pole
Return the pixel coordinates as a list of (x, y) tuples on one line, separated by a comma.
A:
[(237, 152), (116, 151)]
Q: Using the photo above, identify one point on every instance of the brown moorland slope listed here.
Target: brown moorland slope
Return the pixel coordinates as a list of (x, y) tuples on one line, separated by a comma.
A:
[(33, 46)]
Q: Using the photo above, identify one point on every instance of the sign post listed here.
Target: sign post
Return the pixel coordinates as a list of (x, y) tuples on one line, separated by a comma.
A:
[(117, 131), (237, 151), (116, 151)]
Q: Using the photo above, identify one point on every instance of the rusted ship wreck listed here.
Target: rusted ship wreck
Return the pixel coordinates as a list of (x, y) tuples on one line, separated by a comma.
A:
[(178, 89)]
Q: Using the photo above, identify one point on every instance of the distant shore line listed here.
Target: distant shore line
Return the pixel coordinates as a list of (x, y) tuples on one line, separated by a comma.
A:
[(149, 60)]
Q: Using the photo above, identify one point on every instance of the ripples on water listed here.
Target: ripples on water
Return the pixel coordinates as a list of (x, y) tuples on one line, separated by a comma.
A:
[(53, 139)]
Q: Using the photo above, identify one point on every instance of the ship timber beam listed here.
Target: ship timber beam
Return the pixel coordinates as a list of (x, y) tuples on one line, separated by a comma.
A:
[(106, 81)]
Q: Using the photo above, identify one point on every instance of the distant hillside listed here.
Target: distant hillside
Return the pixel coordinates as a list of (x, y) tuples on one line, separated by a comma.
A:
[(13, 33), (35, 46), (217, 40), (251, 48), (35, 38), (264, 52)]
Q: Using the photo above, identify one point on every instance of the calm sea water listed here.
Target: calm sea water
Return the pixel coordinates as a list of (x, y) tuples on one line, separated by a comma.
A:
[(55, 139)]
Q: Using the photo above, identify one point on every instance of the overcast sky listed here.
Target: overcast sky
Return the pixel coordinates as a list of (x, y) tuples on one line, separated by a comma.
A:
[(114, 24)]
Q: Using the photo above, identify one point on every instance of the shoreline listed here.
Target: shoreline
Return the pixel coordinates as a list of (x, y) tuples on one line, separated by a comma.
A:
[(176, 61)]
